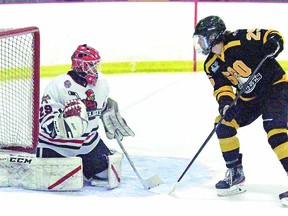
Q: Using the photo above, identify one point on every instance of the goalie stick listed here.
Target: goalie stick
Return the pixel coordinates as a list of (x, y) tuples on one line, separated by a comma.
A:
[(243, 89), (149, 183)]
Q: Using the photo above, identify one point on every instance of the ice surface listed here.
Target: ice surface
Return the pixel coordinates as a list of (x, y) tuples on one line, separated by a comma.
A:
[(171, 115)]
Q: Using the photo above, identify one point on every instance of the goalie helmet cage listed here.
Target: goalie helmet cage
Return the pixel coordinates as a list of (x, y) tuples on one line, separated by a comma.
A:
[(19, 88)]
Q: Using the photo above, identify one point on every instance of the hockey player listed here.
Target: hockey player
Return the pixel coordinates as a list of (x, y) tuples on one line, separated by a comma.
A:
[(232, 57), (70, 110)]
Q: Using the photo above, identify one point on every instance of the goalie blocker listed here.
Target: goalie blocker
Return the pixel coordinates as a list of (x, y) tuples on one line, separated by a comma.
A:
[(52, 174), (113, 122)]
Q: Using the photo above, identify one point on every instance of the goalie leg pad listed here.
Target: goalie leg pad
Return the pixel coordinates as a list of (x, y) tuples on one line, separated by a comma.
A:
[(114, 173), (51, 174), (4, 174), (115, 169)]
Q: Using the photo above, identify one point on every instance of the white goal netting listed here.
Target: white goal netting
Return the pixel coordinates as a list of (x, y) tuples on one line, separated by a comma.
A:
[(19, 88)]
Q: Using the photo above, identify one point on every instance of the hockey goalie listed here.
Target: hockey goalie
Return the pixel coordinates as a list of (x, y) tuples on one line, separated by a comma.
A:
[(69, 146)]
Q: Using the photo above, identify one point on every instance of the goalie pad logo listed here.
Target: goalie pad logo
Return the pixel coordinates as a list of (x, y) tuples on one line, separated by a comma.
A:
[(20, 159)]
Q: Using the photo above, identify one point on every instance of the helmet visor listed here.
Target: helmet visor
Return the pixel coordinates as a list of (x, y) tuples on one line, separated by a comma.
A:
[(201, 44), (91, 67)]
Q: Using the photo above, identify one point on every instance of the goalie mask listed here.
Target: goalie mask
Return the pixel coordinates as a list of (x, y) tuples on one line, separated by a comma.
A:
[(208, 32), (85, 61)]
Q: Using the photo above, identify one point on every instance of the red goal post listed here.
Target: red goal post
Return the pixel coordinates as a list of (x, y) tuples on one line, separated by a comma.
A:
[(19, 88)]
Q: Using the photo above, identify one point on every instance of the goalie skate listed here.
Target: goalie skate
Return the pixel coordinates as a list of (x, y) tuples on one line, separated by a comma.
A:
[(232, 183), (284, 198)]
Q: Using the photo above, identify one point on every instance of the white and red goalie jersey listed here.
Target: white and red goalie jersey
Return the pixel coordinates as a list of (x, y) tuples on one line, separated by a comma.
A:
[(59, 91)]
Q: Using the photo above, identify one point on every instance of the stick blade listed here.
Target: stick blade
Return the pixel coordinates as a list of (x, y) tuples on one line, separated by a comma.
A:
[(173, 188), (152, 182)]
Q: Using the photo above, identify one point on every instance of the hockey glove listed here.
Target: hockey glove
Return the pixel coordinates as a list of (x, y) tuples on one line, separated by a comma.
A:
[(224, 103), (273, 46), (229, 114), (113, 122), (73, 121)]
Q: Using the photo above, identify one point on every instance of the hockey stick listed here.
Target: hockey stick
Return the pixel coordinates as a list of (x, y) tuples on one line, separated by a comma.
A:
[(243, 89), (149, 183)]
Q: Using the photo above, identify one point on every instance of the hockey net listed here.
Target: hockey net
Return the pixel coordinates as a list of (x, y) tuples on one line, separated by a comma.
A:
[(19, 88)]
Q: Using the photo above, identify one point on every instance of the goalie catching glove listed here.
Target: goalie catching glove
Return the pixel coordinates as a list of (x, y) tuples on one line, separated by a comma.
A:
[(113, 122), (73, 121)]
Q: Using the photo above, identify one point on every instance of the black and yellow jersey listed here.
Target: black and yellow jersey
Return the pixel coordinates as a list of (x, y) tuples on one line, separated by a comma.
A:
[(240, 56)]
